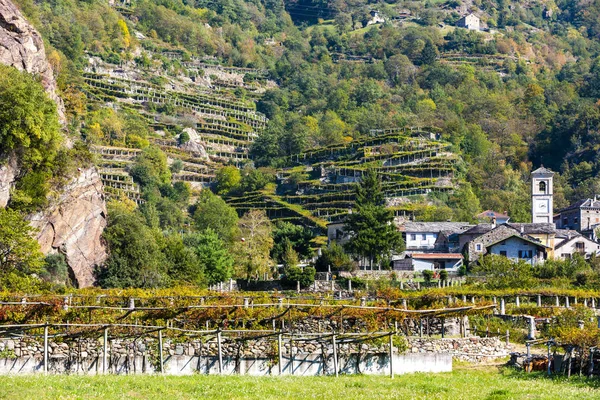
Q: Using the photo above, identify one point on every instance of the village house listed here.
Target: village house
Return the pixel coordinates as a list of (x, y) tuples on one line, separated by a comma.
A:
[(508, 241), (470, 21), (375, 18), (570, 242), (582, 216), (423, 237)]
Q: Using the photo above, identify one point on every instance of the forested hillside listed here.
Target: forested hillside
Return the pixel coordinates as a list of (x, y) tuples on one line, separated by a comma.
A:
[(280, 108)]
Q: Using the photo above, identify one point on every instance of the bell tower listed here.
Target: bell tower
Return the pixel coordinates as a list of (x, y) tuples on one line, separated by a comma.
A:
[(542, 204)]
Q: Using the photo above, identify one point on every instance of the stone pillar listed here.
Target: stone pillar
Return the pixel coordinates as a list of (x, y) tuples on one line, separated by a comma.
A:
[(531, 326), (557, 302), (567, 302), (517, 301), (502, 306), (404, 304), (539, 300)]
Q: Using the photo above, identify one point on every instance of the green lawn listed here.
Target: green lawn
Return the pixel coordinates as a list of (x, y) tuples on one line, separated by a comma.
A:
[(486, 383)]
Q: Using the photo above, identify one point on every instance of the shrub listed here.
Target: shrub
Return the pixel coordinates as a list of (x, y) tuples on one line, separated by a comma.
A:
[(443, 275), (306, 276), (427, 275)]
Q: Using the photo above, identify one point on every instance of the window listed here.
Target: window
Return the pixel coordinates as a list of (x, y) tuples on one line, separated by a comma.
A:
[(542, 187), (520, 253), (413, 237), (565, 221), (580, 247), (575, 220), (503, 253), (478, 247), (423, 237)]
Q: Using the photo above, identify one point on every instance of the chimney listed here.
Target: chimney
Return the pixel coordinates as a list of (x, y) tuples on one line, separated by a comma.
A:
[(522, 229), (493, 222)]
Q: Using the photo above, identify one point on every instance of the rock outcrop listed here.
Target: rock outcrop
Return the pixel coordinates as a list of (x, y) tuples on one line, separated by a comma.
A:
[(74, 221), (22, 47), (9, 169), (194, 144), (73, 225)]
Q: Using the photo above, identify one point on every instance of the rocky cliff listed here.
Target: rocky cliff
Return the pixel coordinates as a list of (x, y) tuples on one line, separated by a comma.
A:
[(22, 47), (73, 225), (74, 221)]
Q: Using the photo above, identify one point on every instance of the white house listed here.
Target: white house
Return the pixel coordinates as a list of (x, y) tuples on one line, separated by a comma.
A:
[(470, 21), (423, 236), (570, 242), (518, 248), (375, 18)]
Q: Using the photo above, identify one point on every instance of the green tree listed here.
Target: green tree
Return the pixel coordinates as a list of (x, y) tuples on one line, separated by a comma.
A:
[(227, 179), (55, 269), (211, 211), (502, 273), (298, 236), (135, 258), (289, 257), (213, 255), (253, 251), (373, 233), (334, 257), (19, 252), (29, 128), (183, 265)]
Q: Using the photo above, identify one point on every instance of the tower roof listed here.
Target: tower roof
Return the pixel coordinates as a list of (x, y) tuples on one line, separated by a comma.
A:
[(542, 171)]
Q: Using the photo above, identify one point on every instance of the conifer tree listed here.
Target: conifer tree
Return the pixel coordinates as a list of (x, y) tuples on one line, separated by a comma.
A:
[(373, 234)]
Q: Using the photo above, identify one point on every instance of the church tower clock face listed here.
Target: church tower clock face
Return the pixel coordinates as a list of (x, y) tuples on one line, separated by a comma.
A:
[(541, 205)]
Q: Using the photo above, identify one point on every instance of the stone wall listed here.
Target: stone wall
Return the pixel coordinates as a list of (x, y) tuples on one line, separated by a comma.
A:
[(253, 357), (302, 355), (473, 349)]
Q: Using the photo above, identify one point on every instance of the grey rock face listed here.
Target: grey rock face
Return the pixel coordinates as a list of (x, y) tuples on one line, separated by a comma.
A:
[(73, 225), (22, 47)]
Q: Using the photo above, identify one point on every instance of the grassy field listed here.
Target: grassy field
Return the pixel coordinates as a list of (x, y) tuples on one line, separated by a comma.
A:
[(464, 383)]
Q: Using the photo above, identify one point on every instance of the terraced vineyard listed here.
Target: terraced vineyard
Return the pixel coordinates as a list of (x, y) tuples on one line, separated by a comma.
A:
[(411, 162), (204, 104), (203, 116)]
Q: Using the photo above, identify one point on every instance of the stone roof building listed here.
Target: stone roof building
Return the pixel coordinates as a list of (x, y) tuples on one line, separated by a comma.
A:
[(508, 241)]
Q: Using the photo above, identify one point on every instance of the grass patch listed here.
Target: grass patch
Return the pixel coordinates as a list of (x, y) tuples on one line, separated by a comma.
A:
[(491, 383)]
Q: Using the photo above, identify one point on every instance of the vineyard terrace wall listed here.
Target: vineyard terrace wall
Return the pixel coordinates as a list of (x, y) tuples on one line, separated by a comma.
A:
[(299, 356)]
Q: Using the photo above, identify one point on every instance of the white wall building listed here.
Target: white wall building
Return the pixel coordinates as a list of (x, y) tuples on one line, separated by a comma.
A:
[(470, 21), (542, 204)]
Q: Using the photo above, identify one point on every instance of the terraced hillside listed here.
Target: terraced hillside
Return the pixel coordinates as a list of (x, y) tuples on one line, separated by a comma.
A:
[(203, 115), (317, 187)]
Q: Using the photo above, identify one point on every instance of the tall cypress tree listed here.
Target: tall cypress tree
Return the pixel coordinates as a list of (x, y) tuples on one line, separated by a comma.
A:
[(373, 233)]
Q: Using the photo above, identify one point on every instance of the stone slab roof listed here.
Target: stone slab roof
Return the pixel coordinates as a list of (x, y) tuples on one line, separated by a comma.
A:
[(542, 170), (424, 227), (532, 229)]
